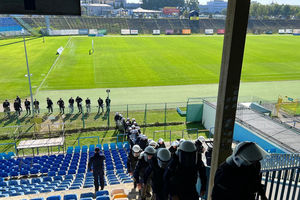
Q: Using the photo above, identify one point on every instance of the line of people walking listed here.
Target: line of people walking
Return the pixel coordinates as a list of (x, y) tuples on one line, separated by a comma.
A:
[(17, 105)]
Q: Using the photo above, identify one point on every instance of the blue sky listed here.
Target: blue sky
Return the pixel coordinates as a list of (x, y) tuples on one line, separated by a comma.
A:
[(290, 2)]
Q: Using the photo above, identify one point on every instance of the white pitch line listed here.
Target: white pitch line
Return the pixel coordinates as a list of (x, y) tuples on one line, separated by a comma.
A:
[(38, 89)]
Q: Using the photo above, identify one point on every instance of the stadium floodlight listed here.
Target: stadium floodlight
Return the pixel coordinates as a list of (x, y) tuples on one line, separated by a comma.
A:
[(108, 91), (28, 73)]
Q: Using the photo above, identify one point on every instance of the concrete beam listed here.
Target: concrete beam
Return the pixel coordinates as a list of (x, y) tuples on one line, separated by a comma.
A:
[(231, 67)]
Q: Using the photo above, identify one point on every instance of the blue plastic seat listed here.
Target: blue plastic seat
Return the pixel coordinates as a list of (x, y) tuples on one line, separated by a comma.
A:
[(31, 192), (59, 178), (101, 193), (70, 197), (57, 197), (61, 173), (89, 194), (106, 197), (87, 198), (51, 173), (72, 171)]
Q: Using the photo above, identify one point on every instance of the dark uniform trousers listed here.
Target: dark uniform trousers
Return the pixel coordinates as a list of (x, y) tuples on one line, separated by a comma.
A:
[(98, 177)]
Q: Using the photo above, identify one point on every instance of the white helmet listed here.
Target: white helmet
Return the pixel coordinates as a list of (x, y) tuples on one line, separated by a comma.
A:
[(153, 144), (163, 157), (136, 148), (134, 123), (175, 144), (160, 140), (181, 140), (201, 139), (247, 153), (133, 119), (117, 113), (133, 126)]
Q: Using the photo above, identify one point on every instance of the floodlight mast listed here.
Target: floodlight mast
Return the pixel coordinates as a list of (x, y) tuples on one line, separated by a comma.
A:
[(28, 73)]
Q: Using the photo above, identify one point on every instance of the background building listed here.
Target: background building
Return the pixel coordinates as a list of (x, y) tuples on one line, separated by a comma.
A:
[(215, 6)]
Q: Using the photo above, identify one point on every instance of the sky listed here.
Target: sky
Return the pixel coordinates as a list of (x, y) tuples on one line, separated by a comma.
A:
[(290, 2)]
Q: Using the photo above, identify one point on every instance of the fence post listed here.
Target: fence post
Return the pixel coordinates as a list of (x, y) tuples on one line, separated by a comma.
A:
[(108, 113), (82, 113), (165, 121), (145, 115)]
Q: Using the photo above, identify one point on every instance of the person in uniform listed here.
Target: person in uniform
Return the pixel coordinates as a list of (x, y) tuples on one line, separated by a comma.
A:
[(161, 143), (239, 177), (49, 105), (107, 102), (182, 172), (17, 107), (19, 101), (27, 106), (61, 105), (71, 105), (88, 105), (79, 104), (132, 160), (6, 107), (155, 171), (100, 105), (36, 105), (139, 172), (96, 165), (173, 147)]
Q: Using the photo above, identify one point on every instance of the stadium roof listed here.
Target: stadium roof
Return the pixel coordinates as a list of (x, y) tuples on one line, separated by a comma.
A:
[(141, 10)]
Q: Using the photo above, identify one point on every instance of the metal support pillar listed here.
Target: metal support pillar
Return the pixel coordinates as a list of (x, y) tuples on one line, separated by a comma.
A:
[(232, 60)]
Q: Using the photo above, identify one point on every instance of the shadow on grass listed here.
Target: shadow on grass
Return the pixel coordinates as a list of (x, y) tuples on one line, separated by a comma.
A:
[(68, 116), (75, 117)]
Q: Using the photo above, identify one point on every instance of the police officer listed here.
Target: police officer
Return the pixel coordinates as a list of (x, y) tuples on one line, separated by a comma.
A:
[(132, 159), (107, 102), (6, 107), (199, 144), (239, 177), (96, 166), (142, 141), (173, 147), (61, 105), (71, 105), (153, 144), (139, 171), (208, 156), (156, 170), (17, 107), (182, 173), (19, 101), (49, 105), (100, 105), (79, 104), (36, 105), (27, 106), (88, 105), (161, 143)]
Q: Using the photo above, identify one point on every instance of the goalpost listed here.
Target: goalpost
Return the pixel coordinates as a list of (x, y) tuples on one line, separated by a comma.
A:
[(91, 51)]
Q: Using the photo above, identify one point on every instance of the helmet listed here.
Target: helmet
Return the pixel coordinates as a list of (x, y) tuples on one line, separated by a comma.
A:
[(187, 146), (201, 139), (117, 113), (121, 115), (175, 144), (187, 154), (160, 140), (128, 119), (181, 140), (246, 153), (136, 148), (153, 144), (133, 126), (149, 150), (133, 119), (163, 157), (134, 123)]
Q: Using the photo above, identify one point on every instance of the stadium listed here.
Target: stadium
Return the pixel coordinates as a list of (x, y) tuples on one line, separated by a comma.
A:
[(164, 72)]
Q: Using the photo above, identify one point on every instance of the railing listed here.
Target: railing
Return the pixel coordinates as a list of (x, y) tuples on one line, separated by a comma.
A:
[(280, 161)]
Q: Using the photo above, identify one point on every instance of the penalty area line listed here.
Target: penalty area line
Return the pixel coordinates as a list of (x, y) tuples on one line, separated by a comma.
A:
[(38, 89)]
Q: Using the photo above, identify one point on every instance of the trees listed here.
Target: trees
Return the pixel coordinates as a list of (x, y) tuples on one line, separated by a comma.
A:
[(258, 10)]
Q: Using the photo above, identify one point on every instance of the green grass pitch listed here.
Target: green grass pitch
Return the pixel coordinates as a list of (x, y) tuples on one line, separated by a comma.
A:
[(139, 61)]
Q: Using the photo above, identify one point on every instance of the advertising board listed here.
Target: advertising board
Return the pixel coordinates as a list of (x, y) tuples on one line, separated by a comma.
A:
[(156, 32), (125, 31), (209, 31)]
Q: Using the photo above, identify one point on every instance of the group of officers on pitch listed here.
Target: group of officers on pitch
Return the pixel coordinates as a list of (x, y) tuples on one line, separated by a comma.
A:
[(61, 104)]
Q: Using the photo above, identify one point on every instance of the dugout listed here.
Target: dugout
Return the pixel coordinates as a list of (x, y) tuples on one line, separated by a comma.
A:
[(194, 110)]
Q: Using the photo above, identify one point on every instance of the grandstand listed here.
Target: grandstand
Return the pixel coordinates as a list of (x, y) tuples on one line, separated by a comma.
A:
[(145, 26)]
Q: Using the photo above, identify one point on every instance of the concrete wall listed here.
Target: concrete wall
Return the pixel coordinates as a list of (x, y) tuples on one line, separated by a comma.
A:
[(208, 117)]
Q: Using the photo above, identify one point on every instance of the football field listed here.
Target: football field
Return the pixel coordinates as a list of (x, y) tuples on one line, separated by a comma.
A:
[(121, 62)]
